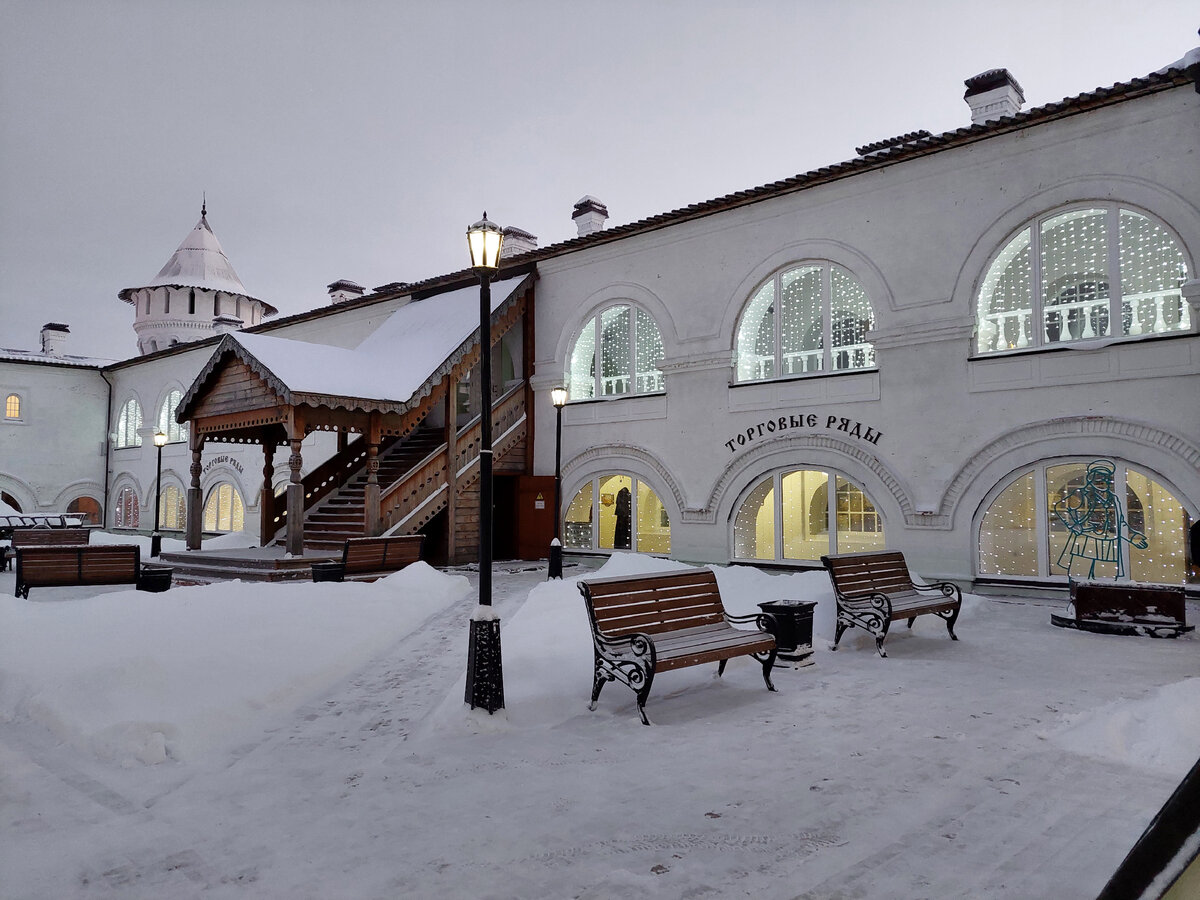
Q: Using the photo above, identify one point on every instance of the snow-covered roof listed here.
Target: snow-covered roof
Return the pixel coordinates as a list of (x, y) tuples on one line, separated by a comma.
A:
[(199, 262), (390, 366), (37, 356)]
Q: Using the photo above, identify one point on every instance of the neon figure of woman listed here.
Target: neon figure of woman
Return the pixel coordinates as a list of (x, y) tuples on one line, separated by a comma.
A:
[(1092, 513)]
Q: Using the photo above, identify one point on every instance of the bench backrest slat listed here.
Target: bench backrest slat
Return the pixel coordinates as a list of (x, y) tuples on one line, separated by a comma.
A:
[(49, 566), (40, 537), (373, 554), (657, 603), (860, 574)]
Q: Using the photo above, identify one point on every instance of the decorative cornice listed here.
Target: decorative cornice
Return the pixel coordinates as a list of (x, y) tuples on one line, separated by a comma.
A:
[(736, 467), (960, 328), (620, 450), (722, 359), (1079, 426)]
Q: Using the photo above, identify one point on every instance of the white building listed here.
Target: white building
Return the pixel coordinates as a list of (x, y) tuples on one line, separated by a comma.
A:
[(924, 346)]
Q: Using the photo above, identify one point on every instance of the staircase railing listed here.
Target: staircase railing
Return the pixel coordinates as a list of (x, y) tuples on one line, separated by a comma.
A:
[(413, 488), (508, 409), (411, 492)]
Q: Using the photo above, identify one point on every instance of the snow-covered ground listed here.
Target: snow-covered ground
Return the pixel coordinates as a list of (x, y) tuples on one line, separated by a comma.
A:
[(310, 741)]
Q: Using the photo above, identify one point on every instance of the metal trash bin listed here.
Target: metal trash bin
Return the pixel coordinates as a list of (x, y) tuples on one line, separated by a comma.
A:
[(328, 571), (155, 579), (795, 618)]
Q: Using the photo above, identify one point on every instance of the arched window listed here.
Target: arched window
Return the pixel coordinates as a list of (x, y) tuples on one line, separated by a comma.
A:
[(618, 352), (224, 510), (87, 507), (127, 513), (191, 301), (1058, 518), (175, 431), (128, 423), (12, 406), (802, 515), (172, 510), (806, 319), (9, 500), (1101, 271), (617, 512)]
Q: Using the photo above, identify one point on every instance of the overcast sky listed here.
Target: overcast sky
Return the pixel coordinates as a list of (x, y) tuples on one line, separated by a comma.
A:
[(359, 139)]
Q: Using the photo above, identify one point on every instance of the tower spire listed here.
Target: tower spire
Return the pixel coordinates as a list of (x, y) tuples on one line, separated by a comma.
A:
[(203, 204)]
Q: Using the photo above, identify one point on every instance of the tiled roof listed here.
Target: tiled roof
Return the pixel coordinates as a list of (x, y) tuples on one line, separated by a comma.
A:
[(1100, 97)]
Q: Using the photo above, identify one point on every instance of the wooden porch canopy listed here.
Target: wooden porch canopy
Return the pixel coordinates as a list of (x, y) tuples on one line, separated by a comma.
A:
[(259, 389)]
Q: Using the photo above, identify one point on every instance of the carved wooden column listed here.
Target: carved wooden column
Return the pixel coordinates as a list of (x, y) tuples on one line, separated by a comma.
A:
[(266, 507), (295, 492), (371, 524), (195, 503)]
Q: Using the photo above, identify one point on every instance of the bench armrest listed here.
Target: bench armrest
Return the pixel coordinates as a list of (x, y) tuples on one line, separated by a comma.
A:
[(948, 589), (763, 621)]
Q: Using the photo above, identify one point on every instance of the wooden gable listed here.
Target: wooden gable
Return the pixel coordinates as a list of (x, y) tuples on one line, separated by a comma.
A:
[(236, 388)]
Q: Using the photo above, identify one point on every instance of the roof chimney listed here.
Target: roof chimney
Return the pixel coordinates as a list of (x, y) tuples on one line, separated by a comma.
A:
[(226, 324), (344, 291), (992, 95), (54, 335), (517, 241), (589, 215)]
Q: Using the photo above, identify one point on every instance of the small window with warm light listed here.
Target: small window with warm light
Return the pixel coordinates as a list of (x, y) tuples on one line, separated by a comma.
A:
[(12, 407)]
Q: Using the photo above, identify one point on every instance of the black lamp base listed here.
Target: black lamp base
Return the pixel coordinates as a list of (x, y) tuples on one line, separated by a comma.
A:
[(555, 561), (155, 544), (485, 671)]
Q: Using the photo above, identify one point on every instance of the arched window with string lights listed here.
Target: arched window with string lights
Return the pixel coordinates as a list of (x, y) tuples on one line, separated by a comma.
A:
[(617, 353), (1100, 270), (805, 319), (1020, 536)]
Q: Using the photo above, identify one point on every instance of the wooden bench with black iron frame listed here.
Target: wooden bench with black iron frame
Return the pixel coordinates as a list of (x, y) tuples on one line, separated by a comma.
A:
[(371, 557), (644, 624), (95, 564), (875, 589)]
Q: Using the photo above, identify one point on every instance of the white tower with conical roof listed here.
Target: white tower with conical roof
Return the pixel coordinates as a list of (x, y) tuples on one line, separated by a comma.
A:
[(196, 294)]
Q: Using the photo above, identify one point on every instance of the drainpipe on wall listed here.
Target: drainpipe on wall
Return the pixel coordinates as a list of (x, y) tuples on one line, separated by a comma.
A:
[(107, 451)]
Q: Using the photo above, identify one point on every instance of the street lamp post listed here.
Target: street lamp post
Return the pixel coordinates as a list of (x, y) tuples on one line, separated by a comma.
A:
[(558, 396), (160, 441), (485, 674)]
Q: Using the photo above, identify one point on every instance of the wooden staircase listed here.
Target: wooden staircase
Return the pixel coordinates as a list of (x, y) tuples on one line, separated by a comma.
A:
[(419, 476), (341, 515)]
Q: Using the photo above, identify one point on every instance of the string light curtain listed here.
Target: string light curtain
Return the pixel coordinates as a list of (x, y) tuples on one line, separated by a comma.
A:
[(806, 319), (618, 352), (129, 421), (175, 431), (1079, 275)]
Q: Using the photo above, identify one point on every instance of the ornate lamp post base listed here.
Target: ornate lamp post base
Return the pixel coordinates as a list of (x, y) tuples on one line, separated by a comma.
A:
[(485, 671), (555, 559)]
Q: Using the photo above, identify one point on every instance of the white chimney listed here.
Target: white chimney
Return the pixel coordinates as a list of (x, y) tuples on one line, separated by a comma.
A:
[(516, 242), (344, 291), (226, 324), (589, 215), (993, 94), (54, 335)]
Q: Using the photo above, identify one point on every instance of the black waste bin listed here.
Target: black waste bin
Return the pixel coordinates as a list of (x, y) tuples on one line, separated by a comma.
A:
[(331, 570), (795, 618)]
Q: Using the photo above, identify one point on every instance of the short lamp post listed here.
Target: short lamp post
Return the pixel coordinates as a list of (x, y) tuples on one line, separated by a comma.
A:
[(558, 396), (485, 673), (160, 441)]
